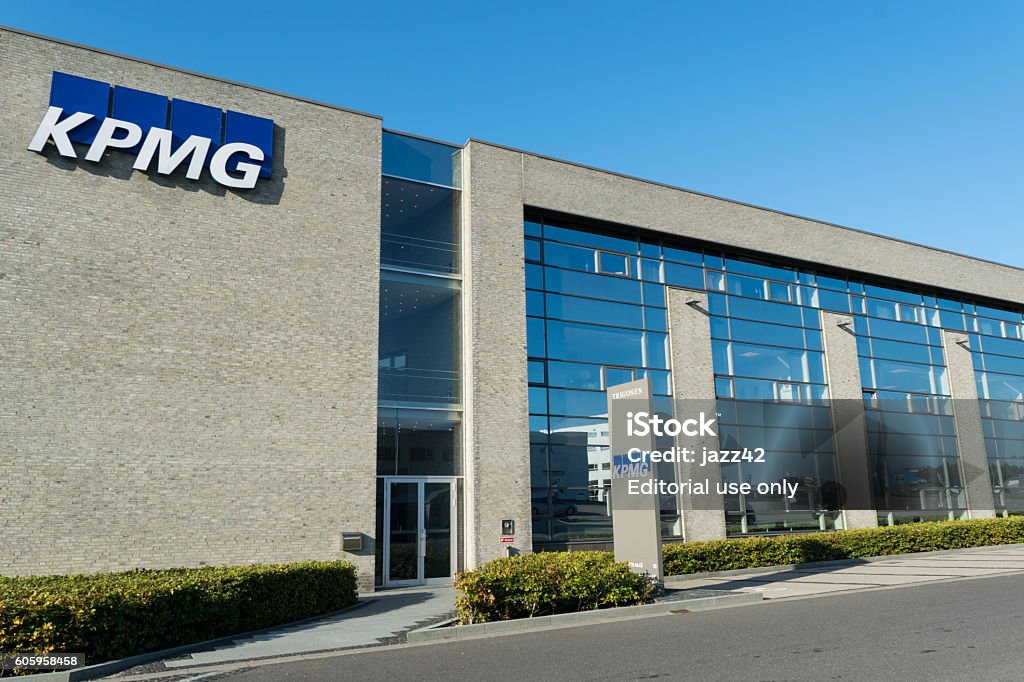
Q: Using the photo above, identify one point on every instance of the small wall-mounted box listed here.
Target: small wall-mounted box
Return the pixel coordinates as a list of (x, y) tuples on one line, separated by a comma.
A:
[(352, 542)]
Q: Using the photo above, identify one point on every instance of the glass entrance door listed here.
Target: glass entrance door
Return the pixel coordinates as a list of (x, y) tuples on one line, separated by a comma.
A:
[(419, 530)]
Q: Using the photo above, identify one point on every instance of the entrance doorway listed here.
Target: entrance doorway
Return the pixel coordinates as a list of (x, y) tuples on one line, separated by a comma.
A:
[(419, 530)]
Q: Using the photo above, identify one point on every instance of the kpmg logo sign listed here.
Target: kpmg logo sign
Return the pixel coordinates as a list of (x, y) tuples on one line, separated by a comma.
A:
[(168, 132)]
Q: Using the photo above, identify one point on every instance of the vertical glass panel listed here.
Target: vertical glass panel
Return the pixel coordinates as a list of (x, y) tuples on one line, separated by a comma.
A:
[(427, 443), (419, 226), (650, 270), (536, 371), (534, 276), (403, 532), (437, 526), (657, 350), (654, 319), (531, 250), (535, 337), (418, 360), (410, 157), (532, 229), (535, 303), (654, 294)]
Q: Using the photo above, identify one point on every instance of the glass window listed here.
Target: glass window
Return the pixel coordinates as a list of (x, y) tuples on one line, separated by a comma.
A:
[(766, 362), (655, 320), (419, 226), (759, 270), (585, 284), (574, 375), (657, 350), (535, 369), (534, 276), (683, 256), (531, 249), (573, 257), (535, 337), (650, 270), (419, 324), (773, 334), (582, 238), (833, 300), (765, 311), (418, 443), (898, 331), (613, 376), (538, 397), (535, 303), (590, 343), (416, 159), (902, 376), (654, 294), (532, 229), (567, 402), (591, 310), (613, 264), (684, 276), (660, 381), (779, 292)]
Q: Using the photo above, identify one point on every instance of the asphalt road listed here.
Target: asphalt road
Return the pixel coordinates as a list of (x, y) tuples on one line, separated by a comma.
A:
[(962, 630)]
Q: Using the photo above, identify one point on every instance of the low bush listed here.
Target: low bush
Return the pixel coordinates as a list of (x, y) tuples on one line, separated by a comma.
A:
[(113, 615), (547, 583), (736, 553)]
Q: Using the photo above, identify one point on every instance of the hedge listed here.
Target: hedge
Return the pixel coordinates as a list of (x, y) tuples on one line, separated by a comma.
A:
[(547, 583), (736, 553), (113, 615)]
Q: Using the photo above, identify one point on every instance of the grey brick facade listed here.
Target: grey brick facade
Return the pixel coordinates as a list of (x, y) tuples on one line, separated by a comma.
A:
[(188, 373)]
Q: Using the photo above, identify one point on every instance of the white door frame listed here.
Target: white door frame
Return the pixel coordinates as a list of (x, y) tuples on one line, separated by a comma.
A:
[(420, 482)]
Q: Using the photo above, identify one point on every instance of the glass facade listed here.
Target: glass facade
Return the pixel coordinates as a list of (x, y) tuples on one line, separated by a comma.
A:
[(419, 422), (596, 317)]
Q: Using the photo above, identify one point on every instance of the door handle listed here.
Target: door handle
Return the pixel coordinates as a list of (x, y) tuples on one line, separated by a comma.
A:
[(422, 542)]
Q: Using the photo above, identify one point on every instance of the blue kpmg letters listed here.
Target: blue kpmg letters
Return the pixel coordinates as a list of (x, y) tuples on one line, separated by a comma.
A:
[(236, 148)]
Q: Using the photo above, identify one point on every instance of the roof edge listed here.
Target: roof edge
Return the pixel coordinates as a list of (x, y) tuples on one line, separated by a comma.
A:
[(743, 203)]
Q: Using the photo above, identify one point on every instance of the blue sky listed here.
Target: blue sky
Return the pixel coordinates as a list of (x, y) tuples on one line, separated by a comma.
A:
[(901, 118)]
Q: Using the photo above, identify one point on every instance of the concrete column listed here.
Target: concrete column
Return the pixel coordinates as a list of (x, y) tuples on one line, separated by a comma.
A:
[(495, 394), (847, 401), (970, 439), (693, 391)]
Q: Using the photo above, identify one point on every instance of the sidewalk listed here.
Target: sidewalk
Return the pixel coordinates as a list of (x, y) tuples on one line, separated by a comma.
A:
[(905, 570), (384, 615)]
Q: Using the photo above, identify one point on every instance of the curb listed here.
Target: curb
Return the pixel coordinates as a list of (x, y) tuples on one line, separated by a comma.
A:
[(782, 568), (91, 672), (563, 620)]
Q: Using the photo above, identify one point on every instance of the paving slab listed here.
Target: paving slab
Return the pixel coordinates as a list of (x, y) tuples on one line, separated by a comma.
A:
[(384, 615)]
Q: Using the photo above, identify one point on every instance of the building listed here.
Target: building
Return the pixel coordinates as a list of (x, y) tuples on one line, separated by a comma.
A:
[(335, 340)]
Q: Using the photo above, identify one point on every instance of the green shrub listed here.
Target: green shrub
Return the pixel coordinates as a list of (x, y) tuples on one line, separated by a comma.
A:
[(736, 553), (113, 615), (547, 583)]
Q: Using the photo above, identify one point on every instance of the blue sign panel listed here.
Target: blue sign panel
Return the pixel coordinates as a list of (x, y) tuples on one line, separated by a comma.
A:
[(142, 108), (74, 94), (254, 130), (189, 118)]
